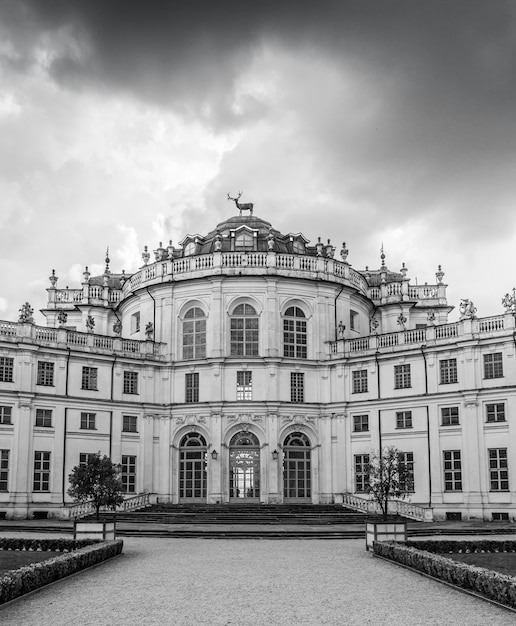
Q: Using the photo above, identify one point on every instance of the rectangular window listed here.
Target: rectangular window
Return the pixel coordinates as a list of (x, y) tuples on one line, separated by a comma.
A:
[(85, 457), (4, 470), (452, 470), (130, 382), (401, 376), (448, 371), (361, 473), (6, 413), (495, 412), (360, 423), (88, 421), (6, 369), (404, 419), (449, 416), (407, 478), (129, 473), (192, 387), (89, 378), (353, 320), (297, 387), (359, 381), (45, 374), (498, 469), (135, 322), (244, 385), (41, 471), (129, 424), (44, 418), (493, 365)]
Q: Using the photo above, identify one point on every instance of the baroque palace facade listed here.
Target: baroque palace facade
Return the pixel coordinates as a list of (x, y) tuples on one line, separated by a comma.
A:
[(248, 366)]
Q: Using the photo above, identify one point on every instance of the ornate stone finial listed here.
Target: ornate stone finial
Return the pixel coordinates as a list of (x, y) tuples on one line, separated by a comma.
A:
[(319, 247), (145, 255), (90, 324), (403, 271), (149, 331), (106, 271), (170, 249), (62, 317), (26, 314), (467, 310), (160, 254), (330, 250), (509, 302), (218, 243), (344, 252), (382, 256), (270, 240), (86, 275), (53, 279), (123, 279), (439, 274), (117, 327)]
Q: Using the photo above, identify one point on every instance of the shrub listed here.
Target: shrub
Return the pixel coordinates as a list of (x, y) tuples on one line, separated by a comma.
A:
[(83, 553), (492, 585)]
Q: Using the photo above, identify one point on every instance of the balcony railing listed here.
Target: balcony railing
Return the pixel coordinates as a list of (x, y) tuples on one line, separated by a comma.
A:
[(83, 509), (30, 333), (395, 507), (423, 336)]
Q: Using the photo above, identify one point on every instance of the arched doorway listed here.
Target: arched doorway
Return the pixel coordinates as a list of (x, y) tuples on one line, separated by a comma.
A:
[(244, 468), (297, 468), (192, 468)]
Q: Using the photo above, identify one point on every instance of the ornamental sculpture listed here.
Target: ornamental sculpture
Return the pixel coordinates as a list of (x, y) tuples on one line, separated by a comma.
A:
[(509, 301), (117, 327), (26, 314), (467, 309), (90, 324), (248, 206), (62, 317), (149, 331)]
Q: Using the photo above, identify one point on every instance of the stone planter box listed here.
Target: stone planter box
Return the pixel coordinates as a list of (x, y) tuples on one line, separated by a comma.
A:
[(385, 531), (105, 530)]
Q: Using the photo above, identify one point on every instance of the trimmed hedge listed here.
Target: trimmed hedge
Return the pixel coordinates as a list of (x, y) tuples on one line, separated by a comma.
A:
[(82, 554), (492, 585), (44, 545), (448, 546)]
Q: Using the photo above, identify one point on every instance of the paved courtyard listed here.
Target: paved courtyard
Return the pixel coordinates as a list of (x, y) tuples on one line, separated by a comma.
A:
[(249, 582)]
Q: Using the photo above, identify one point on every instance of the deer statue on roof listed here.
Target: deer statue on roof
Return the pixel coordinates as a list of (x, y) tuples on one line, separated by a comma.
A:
[(248, 206)]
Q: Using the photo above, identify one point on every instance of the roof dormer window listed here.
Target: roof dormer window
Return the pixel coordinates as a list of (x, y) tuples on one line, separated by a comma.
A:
[(244, 241), (190, 248)]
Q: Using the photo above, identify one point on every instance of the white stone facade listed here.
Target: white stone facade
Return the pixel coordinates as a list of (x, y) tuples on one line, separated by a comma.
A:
[(253, 367)]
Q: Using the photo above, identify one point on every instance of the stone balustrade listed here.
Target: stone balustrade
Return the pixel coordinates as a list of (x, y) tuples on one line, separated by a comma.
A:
[(422, 336), (395, 507), (90, 342), (83, 509)]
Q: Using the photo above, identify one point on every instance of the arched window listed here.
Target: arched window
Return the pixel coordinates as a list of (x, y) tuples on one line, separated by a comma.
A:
[(244, 331), (296, 468), (294, 333), (192, 468), (190, 248), (194, 334)]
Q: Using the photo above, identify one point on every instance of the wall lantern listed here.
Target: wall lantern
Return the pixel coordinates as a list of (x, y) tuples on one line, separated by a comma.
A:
[(214, 454), (274, 454)]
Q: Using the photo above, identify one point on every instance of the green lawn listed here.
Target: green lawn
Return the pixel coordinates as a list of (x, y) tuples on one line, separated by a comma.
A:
[(13, 559), (504, 562)]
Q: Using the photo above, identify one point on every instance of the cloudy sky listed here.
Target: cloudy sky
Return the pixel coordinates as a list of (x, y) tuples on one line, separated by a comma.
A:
[(125, 123)]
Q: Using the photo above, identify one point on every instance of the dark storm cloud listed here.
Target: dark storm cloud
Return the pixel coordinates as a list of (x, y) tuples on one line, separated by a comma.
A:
[(188, 54)]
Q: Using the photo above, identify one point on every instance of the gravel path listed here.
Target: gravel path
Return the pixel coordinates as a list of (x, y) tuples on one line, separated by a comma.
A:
[(249, 582)]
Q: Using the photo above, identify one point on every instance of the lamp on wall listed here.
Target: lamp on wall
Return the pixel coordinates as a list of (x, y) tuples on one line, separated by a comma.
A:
[(214, 454), (274, 454)]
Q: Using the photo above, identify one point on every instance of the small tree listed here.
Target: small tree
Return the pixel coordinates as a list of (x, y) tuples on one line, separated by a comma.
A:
[(389, 477), (98, 481)]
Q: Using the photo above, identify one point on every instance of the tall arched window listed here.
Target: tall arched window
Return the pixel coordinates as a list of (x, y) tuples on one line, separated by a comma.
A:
[(192, 468), (194, 334), (297, 468), (244, 331), (294, 333)]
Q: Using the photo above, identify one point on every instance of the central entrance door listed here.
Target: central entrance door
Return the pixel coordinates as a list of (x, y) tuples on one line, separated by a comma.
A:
[(244, 468), (192, 468)]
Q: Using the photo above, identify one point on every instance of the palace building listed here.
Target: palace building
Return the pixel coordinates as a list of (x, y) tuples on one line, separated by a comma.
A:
[(246, 365)]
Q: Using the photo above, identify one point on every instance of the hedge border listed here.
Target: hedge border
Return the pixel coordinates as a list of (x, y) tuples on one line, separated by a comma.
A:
[(449, 546), (81, 555), (492, 585)]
